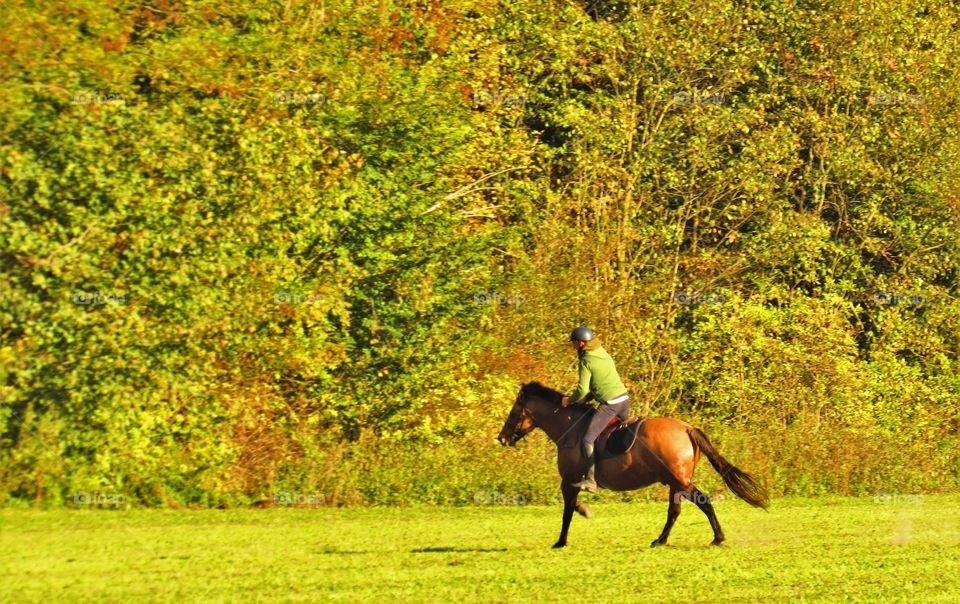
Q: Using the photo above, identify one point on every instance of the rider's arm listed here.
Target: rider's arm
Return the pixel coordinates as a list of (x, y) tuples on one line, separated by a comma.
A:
[(583, 388)]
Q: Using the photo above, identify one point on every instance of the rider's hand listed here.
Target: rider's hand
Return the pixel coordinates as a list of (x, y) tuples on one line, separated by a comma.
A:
[(565, 401)]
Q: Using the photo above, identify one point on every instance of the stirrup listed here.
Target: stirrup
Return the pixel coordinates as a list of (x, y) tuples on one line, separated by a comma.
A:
[(586, 484)]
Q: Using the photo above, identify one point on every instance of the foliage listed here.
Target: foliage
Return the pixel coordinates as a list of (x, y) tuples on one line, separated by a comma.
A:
[(249, 246)]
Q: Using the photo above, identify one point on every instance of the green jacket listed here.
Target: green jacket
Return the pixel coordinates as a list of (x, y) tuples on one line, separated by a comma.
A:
[(598, 378)]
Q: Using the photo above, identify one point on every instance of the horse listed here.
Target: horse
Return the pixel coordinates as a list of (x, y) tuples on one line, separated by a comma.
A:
[(665, 450)]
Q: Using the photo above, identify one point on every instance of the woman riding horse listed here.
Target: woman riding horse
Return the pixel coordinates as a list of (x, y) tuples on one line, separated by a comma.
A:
[(665, 450), (599, 381)]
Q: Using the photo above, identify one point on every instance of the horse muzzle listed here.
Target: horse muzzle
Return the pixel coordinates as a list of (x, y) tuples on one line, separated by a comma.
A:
[(510, 441)]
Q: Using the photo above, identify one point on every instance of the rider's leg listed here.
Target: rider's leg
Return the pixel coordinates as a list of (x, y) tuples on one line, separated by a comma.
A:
[(589, 482), (601, 417)]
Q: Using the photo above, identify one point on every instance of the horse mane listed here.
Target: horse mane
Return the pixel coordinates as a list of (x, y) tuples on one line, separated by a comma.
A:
[(553, 396), (544, 392)]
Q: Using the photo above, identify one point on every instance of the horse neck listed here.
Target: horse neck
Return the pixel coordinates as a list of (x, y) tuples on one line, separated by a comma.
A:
[(553, 422)]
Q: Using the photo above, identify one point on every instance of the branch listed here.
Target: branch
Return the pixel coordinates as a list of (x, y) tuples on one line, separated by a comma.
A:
[(465, 190)]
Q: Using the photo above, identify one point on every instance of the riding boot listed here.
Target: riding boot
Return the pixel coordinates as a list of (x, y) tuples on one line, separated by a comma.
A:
[(589, 482)]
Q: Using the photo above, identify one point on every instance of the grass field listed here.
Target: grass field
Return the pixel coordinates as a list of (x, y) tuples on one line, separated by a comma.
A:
[(827, 550)]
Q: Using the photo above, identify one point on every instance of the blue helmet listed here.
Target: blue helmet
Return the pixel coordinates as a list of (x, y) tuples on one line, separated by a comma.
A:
[(582, 334)]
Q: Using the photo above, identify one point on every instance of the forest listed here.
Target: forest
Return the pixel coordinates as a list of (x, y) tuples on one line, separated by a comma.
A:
[(261, 252)]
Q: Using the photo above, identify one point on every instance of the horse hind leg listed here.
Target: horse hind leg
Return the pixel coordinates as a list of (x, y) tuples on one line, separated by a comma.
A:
[(703, 502), (673, 510)]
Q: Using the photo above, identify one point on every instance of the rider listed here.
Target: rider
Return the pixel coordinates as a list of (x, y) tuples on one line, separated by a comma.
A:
[(598, 381)]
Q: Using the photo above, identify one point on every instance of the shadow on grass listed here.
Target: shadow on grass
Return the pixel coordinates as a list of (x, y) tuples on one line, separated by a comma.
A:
[(442, 550), (343, 551)]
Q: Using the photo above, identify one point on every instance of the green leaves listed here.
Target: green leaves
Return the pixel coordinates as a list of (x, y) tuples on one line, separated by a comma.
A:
[(236, 237)]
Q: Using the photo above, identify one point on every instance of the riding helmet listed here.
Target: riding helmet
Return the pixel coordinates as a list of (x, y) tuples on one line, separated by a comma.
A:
[(582, 334)]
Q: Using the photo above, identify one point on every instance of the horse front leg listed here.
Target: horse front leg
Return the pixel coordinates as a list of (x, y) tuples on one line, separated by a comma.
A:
[(583, 509), (569, 504)]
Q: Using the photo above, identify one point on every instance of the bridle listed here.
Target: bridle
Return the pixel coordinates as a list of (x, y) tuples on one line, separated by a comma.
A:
[(518, 433)]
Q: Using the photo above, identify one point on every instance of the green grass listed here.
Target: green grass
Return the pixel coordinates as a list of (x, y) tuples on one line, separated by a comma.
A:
[(828, 550)]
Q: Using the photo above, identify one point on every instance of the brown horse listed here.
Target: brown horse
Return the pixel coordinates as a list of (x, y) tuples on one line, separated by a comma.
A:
[(666, 451)]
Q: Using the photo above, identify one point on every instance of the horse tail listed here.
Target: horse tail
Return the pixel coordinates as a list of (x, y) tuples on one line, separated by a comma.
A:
[(745, 486)]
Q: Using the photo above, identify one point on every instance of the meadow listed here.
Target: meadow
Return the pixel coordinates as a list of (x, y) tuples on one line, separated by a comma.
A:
[(889, 548)]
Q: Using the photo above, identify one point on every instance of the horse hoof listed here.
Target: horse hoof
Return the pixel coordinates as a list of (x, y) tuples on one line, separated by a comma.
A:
[(559, 544), (717, 542), (657, 543), (584, 510)]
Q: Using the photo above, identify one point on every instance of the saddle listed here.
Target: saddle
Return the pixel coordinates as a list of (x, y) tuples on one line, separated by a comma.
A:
[(617, 437)]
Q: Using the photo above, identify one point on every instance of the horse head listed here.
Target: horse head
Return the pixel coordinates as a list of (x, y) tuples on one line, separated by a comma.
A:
[(523, 416)]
